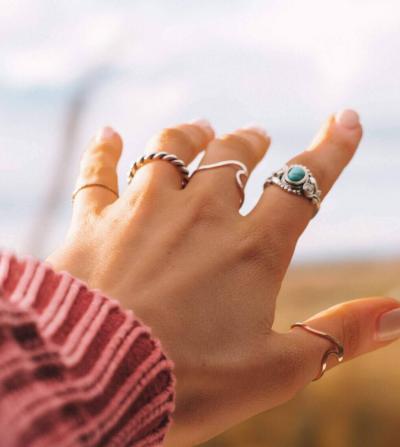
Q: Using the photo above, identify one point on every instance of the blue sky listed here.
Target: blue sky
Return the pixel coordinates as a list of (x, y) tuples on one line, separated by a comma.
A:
[(285, 65)]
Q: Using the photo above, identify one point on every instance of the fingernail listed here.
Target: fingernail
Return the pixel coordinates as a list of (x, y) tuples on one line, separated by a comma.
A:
[(106, 133), (205, 125), (257, 129), (348, 118), (389, 326)]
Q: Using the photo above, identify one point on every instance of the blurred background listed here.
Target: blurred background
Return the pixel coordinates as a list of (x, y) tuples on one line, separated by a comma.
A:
[(70, 67)]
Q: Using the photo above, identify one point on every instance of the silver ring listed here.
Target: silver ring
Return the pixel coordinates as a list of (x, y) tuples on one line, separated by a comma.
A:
[(164, 156), (297, 179), (241, 174), (337, 350), (93, 185)]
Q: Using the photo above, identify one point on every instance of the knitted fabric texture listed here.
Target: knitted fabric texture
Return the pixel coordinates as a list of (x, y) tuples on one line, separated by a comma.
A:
[(75, 368)]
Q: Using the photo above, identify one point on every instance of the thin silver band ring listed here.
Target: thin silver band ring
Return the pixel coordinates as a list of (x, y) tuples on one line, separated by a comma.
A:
[(242, 173), (337, 350), (163, 156), (93, 185)]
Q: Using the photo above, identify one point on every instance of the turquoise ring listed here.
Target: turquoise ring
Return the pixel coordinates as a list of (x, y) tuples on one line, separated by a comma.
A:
[(297, 179)]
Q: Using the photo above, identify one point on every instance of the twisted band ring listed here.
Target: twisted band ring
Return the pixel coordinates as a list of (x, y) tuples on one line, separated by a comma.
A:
[(337, 350), (241, 174), (92, 185), (164, 156), (297, 179)]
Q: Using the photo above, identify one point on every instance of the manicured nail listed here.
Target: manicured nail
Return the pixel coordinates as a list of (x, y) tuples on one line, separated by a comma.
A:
[(106, 133), (205, 125), (257, 129), (389, 326), (348, 118)]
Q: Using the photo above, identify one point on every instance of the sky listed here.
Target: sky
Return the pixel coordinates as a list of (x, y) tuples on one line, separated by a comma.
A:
[(144, 65)]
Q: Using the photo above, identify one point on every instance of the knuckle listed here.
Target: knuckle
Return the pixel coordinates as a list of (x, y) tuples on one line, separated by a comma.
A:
[(343, 144), (97, 163), (96, 171), (172, 137), (235, 141), (351, 331), (259, 143), (342, 141), (103, 152), (146, 200)]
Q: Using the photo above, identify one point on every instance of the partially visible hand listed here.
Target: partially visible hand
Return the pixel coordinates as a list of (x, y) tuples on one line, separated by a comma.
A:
[(205, 278)]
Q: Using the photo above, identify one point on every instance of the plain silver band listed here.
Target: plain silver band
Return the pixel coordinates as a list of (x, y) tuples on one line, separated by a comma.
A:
[(164, 156), (93, 185), (242, 171)]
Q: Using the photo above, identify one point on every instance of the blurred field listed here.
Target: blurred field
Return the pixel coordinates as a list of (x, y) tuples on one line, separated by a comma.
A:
[(355, 405)]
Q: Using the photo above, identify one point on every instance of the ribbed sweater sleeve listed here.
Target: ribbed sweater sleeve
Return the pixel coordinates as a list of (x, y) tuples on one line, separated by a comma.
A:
[(75, 368)]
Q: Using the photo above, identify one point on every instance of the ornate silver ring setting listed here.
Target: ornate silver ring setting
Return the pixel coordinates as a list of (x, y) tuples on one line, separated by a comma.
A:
[(297, 179)]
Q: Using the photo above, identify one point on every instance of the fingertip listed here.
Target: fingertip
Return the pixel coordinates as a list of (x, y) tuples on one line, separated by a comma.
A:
[(348, 118), (347, 125), (343, 130), (108, 135), (104, 134)]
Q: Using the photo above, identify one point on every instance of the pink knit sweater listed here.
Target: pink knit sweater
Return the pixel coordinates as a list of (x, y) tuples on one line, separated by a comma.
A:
[(75, 368)]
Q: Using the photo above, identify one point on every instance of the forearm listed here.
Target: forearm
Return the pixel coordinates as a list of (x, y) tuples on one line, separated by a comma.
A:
[(76, 368)]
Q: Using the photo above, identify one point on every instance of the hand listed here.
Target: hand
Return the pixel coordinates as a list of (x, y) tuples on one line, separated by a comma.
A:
[(205, 278)]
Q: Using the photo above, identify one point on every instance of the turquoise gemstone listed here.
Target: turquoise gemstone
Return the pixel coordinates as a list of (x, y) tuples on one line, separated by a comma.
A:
[(296, 174)]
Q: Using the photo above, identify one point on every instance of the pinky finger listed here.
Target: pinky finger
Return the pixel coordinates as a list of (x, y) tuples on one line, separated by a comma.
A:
[(97, 184)]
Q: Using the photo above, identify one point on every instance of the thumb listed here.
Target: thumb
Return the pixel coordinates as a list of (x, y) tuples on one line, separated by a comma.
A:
[(360, 326)]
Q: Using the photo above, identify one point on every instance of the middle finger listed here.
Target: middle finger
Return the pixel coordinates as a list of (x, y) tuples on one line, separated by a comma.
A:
[(246, 147)]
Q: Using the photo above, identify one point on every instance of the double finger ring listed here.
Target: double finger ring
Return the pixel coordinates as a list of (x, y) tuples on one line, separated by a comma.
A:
[(337, 348), (242, 172), (164, 156), (297, 179)]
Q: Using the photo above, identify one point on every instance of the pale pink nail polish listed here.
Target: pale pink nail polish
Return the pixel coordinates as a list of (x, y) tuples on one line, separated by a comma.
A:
[(389, 326), (257, 129), (106, 133), (348, 118), (205, 125)]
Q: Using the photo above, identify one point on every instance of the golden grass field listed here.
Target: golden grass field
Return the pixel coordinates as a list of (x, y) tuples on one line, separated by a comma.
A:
[(356, 404)]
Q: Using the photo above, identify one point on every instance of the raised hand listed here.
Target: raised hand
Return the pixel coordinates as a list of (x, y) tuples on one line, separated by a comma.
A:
[(206, 278)]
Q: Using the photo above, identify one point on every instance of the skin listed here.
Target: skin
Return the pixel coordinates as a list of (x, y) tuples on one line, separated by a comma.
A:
[(206, 278)]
